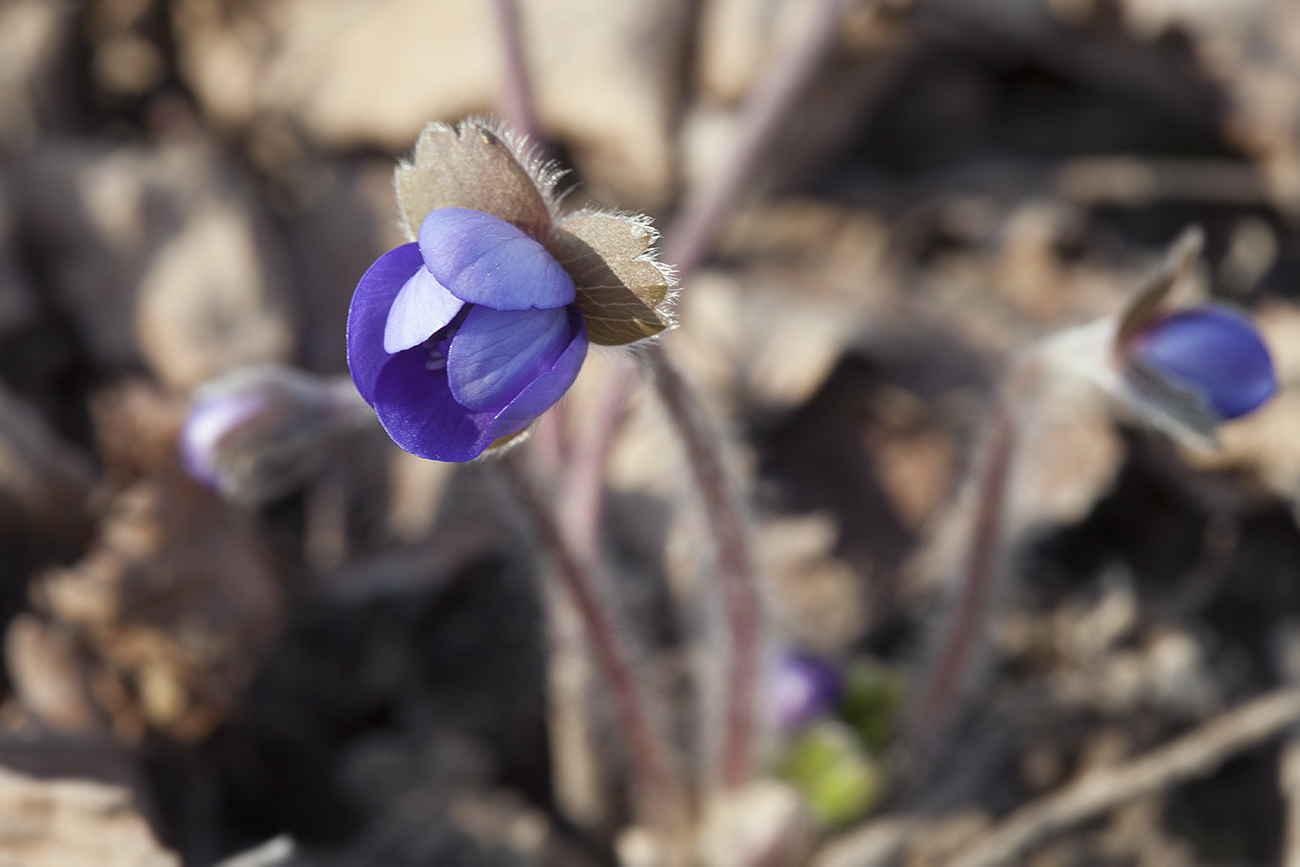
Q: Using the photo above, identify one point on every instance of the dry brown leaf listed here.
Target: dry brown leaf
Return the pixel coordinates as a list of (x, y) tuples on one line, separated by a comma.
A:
[(48, 673), (349, 75), (157, 254), (1250, 48), (73, 823), (176, 599), (45, 478)]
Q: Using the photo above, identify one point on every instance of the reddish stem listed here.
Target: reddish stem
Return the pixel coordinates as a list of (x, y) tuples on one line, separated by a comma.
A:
[(735, 566), (983, 564), (515, 102), (700, 217), (647, 750)]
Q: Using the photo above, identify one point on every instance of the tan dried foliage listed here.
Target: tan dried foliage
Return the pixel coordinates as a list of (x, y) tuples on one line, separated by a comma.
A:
[(46, 668), (43, 478), (1251, 49), (175, 600), (619, 286), (73, 823)]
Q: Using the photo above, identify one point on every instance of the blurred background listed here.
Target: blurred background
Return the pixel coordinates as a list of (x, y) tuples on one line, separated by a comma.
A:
[(359, 664)]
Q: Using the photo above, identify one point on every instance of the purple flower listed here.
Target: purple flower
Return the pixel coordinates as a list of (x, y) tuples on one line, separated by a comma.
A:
[(802, 688), (1213, 351), (464, 337)]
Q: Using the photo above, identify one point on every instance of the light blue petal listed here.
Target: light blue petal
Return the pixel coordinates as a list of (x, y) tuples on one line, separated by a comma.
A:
[(496, 354), (484, 260), (421, 308)]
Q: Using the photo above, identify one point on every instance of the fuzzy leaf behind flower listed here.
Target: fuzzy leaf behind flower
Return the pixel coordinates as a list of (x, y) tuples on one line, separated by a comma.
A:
[(474, 166), (619, 285)]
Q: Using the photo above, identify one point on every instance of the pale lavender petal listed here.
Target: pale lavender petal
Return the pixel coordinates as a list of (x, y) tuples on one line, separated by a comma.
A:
[(422, 307), (368, 315), (206, 423), (497, 353), (546, 389), (802, 688), (484, 260), (415, 406)]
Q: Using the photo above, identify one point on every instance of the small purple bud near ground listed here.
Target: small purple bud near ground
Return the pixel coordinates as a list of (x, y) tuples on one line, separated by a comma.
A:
[(256, 433), (801, 689)]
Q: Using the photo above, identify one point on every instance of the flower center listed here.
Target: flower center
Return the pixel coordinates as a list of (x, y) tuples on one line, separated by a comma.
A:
[(436, 360)]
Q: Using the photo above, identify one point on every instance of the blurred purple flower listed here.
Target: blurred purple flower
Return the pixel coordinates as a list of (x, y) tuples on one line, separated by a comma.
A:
[(1213, 351), (258, 432), (801, 689), (464, 337)]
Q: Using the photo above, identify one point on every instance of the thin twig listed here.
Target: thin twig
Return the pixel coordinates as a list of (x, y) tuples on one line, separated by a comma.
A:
[(735, 565), (1193, 755), (692, 234), (515, 102), (647, 748)]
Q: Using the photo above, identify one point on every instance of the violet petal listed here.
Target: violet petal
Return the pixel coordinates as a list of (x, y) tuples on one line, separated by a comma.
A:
[(496, 354), (484, 260), (368, 314), (542, 393), (1217, 351), (415, 406), (421, 308), (802, 688)]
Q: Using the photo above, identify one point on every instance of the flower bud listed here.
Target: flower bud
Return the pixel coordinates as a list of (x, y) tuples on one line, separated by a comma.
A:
[(257, 433), (1185, 368), (1213, 352), (802, 688)]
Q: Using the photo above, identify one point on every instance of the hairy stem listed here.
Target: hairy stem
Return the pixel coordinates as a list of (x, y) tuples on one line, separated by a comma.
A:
[(515, 102), (982, 564), (647, 749), (735, 566), (686, 246)]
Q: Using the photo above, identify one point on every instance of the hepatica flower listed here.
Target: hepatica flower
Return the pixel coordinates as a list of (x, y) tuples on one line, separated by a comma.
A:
[(1186, 369), (460, 339), (1212, 353)]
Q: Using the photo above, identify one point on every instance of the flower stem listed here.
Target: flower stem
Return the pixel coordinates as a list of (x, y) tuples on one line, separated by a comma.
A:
[(693, 232), (647, 749), (982, 565), (515, 102), (735, 566), (686, 246)]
